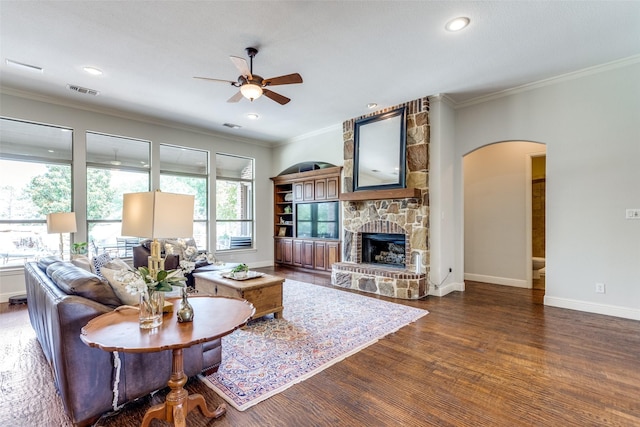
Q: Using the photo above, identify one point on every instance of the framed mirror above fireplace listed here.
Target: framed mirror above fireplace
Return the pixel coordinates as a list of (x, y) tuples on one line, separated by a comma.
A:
[(379, 160)]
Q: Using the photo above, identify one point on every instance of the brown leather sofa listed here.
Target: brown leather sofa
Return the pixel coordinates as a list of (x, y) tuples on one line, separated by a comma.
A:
[(61, 299)]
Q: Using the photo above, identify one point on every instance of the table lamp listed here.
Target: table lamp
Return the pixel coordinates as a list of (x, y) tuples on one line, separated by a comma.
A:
[(157, 215), (61, 222)]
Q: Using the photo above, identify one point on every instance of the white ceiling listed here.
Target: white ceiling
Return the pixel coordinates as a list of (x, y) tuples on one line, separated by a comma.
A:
[(348, 53)]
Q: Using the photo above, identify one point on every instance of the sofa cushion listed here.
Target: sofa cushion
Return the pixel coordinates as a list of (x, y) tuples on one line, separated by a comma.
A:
[(83, 262), (76, 281), (45, 262)]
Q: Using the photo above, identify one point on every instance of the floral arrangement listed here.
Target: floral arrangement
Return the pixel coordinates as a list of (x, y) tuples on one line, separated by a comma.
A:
[(140, 281), (189, 264)]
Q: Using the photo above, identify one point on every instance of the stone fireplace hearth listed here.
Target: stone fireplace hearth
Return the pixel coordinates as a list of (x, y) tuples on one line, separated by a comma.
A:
[(402, 215)]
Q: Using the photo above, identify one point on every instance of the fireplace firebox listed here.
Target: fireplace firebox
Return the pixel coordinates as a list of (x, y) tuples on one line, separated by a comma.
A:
[(387, 249)]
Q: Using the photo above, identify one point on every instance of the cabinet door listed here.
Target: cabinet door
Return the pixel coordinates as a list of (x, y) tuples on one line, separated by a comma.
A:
[(320, 255), (321, 189), (298, 193), (332, 188), (307, 254), (278, 256), (287, 251), (308, 190), (332, 253), (297, 253)]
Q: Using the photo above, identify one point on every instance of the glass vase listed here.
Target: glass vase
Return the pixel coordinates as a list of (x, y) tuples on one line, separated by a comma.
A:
[(151, 305)]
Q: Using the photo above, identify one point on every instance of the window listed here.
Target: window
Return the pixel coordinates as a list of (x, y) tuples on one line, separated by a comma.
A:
[(234, 202), (186, 171), (115, 165), (35, 179)]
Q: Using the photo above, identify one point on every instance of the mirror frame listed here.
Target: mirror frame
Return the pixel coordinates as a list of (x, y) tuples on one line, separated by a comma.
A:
[(402, 143)]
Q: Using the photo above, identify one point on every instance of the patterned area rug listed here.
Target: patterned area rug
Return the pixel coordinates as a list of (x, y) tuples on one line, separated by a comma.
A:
[(321, 327)]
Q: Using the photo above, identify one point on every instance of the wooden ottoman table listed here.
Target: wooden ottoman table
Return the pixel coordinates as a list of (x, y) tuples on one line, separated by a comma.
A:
[(264, 292)]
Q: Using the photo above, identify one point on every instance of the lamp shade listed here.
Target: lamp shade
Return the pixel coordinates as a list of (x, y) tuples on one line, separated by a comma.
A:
[(157, 215), (61, 222)]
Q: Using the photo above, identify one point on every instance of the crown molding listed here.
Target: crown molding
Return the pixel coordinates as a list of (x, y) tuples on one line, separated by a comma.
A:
[(129, 116), (317, 132), (596, 69)]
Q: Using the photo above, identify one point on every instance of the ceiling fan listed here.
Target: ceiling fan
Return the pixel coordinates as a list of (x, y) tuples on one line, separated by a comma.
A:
[(252, 86)]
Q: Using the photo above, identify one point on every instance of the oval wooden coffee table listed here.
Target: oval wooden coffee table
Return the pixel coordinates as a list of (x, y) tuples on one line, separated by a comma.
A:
[(214, 318)]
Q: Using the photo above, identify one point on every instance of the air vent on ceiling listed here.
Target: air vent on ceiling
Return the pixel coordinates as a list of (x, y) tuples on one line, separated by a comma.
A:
[(83, 90), (231, 125)]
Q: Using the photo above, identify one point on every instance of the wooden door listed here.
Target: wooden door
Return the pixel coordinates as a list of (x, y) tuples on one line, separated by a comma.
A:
[(321, 189), (320, 255), (308, 190), (297, 253), (298, 194), (287, 251), (307, 253), (333, 187), (332, 253)]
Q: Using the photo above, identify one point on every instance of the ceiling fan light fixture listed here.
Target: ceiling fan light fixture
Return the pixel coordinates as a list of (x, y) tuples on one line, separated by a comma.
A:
[(251, 91)]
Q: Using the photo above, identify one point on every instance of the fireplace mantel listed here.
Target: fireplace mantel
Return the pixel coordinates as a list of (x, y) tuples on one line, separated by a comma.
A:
[(396, 193)]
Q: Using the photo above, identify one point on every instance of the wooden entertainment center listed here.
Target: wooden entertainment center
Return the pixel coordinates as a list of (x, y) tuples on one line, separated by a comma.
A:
[(312, 243)]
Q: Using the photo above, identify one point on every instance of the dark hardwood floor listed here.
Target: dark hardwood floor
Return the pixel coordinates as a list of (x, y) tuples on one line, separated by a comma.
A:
[(490, 356)]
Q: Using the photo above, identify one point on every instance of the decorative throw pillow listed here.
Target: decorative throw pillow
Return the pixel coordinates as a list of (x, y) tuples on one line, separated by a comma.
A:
[(119, 288), (99, 261), (186, 249), (73, 280)]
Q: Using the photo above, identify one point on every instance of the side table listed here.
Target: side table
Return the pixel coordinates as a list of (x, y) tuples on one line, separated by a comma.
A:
[(214, 318)]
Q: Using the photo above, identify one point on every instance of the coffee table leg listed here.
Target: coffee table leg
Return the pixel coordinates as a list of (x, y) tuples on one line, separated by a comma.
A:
[(178, 403)]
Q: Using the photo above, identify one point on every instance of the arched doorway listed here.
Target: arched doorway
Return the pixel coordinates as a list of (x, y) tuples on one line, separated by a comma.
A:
[(498, 207)]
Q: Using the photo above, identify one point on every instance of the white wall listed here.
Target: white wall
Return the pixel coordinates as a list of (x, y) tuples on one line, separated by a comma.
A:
[(323, 146), (496, 181), (589, 122), (12, 283)]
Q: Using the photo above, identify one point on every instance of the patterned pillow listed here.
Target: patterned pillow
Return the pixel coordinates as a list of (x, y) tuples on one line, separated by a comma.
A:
[(99, 261), (119, 288), (186, 249)]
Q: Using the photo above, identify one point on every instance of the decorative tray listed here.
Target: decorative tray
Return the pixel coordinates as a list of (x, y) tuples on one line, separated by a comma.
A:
[(250, 275)]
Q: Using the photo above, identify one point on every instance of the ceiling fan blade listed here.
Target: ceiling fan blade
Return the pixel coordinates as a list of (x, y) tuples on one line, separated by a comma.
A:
[(235, 98), (283, 80), (275, 96), (242, 66), (216, 80)]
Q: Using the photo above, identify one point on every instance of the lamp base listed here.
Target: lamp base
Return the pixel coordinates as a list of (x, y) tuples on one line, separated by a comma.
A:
[(156, 262)]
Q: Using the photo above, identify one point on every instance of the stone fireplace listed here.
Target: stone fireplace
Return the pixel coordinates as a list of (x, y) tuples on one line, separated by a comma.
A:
[(400, 218)]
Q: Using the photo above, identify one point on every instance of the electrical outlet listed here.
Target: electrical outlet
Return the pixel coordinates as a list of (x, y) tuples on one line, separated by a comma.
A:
[(600, 288), (633, 214), (450, 269)]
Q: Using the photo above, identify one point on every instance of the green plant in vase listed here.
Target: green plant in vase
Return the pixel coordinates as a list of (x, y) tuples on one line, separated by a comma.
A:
[(80, 248), (240, 271)]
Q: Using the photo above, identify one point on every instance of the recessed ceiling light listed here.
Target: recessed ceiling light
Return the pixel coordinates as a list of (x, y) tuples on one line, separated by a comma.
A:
[(23, 66), (372, 105), (457, 24), (253, 116), (93, 71)]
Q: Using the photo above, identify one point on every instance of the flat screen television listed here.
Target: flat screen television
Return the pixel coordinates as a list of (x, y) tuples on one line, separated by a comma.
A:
[(318, 220)]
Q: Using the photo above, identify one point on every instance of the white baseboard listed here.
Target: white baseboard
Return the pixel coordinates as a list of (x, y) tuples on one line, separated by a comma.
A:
[(505, 281), (5, 296), (590, 307), (446, 289)]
